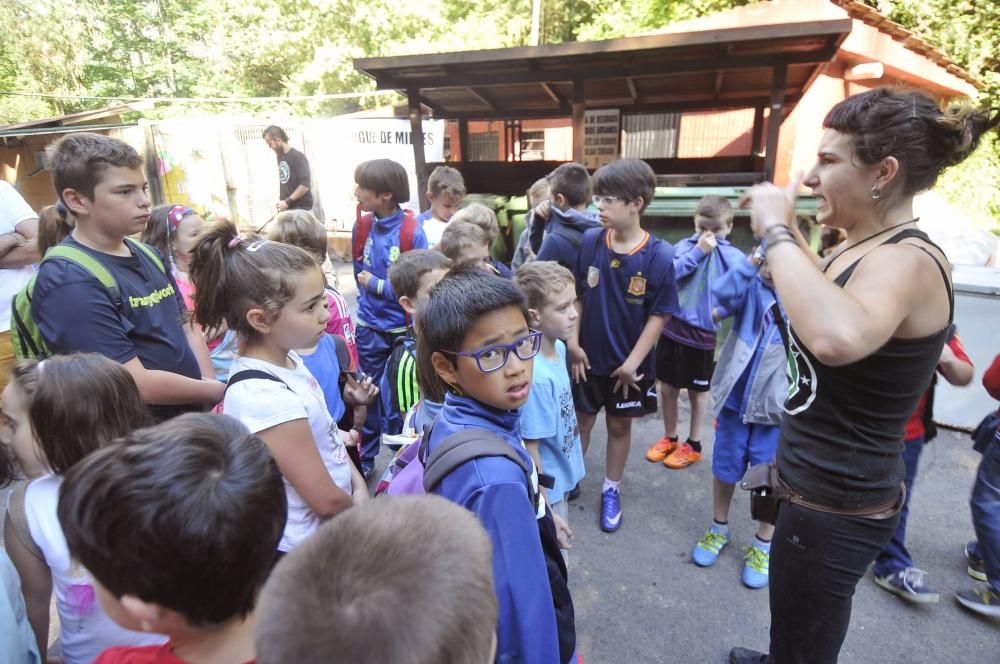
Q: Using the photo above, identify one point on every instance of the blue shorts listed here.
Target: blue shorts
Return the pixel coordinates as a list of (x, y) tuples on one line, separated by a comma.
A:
[(738, 446)]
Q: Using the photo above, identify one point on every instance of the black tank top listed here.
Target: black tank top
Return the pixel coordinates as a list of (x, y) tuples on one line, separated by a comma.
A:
[(842, 431)]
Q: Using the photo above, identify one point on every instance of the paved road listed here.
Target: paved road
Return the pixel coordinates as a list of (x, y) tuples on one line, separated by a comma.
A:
[(639, 598)]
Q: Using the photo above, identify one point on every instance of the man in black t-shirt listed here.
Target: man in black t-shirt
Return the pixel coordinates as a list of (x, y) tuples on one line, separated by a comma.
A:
[(293, 171)]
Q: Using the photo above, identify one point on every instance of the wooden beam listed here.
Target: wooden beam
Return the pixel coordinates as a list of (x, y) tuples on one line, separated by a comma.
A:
[(417, 140), (555, 96), (579, 106), (736, 62), (632, 92), (758, 130), (775, 118), (463, 140), (481, 97)]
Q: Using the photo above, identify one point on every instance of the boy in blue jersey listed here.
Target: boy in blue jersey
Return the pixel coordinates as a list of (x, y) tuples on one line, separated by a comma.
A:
[(100, 181), (548, 419), (685, 354), (381, 185), (625, 280), (569, 195), (474, 328), (445, 191), (412, 278)]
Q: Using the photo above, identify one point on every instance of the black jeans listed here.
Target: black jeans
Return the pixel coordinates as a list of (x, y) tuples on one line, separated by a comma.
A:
[(816, 561)]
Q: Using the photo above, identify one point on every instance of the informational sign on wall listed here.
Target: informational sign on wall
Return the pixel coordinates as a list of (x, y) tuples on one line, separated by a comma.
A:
[(601, 132)]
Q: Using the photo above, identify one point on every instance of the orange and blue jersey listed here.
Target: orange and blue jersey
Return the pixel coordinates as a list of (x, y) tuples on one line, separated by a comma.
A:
[(620, 292)]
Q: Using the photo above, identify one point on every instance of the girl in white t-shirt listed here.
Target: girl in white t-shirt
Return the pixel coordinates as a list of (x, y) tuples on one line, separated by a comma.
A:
[(57, 412), (272, 296)]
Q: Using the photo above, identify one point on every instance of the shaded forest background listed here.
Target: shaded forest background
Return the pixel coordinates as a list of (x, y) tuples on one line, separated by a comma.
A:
[(253, 48)]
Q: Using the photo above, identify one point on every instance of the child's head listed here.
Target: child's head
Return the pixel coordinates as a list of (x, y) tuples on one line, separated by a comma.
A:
[(445, 191), (382, 185), (465, 244), (259, 288), (178, 523), (301, 229), (100, 180), (551, 293), (61, 409), (482, 216), (414, 274), (173, 230), (539, 192), (622, 190), (714, 214), (569, 186), (422, 591), (55, 223), (474, 329)]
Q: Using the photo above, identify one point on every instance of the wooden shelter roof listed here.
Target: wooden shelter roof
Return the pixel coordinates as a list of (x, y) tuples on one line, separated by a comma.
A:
[(726, 68)]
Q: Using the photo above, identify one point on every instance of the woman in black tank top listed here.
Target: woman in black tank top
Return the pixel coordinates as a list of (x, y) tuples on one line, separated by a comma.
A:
[(866, 328)]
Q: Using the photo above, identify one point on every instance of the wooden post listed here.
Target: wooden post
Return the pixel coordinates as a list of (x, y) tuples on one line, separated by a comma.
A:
[(463, 140), (774, 119), (417, 139), (579, 106), (758, 131)]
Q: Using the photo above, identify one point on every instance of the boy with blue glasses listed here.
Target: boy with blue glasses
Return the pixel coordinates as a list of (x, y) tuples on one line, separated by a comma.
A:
[(474, 328)]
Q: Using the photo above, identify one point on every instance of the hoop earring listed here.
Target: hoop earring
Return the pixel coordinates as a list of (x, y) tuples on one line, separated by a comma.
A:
[(876, 194)]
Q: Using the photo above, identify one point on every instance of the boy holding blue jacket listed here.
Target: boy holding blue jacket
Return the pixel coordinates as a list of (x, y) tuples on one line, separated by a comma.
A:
[(474, 329), (378, 241), (685, 354), (749, 389)]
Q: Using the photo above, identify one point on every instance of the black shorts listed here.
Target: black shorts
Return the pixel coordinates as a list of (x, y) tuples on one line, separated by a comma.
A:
[(684, 367), (597, 393)]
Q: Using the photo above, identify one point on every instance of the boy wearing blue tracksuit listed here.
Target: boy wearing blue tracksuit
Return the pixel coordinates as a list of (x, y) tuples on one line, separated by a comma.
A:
[(474, 328), (749, 388), (378, 241), (685, 354)]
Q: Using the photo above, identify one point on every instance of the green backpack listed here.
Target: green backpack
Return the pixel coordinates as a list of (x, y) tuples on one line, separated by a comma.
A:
[(25, 335)]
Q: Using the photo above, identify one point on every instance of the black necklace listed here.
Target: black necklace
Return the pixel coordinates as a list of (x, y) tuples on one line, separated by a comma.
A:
[(872, 237)]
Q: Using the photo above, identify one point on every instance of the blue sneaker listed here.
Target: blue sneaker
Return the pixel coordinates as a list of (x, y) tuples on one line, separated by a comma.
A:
[(755, 566), (611, 511), (706, 551)]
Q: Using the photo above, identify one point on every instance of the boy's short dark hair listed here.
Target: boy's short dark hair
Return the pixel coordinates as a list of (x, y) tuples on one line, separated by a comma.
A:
[(78, 161), (405, 274), (384, 176), (461, 234), (461, 297), (446, 180), (301, 229), (186, 514), (274, 131), (572, 181), (716, 208), (421, 592), (629, 178), (539, 278), (482, 216)]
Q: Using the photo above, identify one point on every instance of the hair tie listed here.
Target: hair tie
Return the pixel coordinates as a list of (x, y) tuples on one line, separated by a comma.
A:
[(176, 214), (61, 210), (254, 246), (235, 242)]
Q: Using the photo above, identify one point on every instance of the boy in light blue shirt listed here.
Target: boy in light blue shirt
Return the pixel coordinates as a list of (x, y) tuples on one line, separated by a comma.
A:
[(548, 418)]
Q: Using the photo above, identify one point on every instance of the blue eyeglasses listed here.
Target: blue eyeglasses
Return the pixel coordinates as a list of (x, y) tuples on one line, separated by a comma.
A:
[(495, 357)]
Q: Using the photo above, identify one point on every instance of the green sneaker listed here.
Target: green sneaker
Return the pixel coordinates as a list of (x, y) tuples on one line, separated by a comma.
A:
[(706, 551), (755, 566)]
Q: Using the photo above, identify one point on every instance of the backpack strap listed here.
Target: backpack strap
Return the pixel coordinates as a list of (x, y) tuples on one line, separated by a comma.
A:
[(19, 519), (143, 248), (251, 374), (90, 264), (407, 231), (464, 446), (362, 227)]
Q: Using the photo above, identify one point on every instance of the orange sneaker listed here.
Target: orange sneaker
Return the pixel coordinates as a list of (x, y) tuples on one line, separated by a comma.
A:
[(661, 450), (682, 457)]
